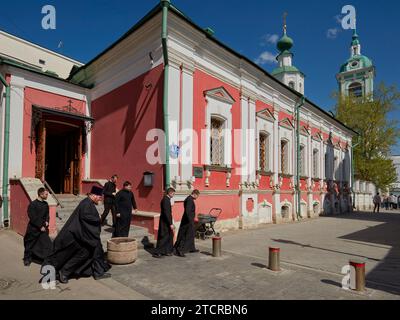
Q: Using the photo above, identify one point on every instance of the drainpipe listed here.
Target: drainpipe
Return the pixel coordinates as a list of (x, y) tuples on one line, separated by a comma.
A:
[(164, 40), (6, 151), (298, 107), (353, 170)]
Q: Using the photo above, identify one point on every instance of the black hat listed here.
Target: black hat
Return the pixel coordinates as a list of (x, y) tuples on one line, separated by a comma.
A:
[(97, 191)]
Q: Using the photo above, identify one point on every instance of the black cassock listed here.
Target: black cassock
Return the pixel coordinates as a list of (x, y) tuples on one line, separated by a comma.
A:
[(125, 203), (165, 239), (185, 242), (37, 243), (77, 249)]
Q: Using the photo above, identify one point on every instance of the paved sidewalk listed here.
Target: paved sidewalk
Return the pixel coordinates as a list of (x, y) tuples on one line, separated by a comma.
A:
[(313, 254), (19, 282)]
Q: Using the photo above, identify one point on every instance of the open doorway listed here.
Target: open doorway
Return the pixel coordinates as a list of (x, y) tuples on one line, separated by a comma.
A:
[(59, 156), (63, 157)]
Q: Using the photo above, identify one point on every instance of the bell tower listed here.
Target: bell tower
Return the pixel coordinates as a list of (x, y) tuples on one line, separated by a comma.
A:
[(357, 74), (286, 71)]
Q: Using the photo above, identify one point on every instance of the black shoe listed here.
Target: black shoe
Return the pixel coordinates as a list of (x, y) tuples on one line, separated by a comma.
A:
[(103, 276), (157, 256), (62, 278), (169, 254), (195, 251), (27, 263), (179, 254)]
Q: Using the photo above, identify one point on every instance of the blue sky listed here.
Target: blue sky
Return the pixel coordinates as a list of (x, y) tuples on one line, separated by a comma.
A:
[(86, 27)]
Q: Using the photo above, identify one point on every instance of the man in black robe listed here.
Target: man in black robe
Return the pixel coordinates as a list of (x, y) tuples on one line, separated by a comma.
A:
[(187, 232), (109, 192), (37, 241), (77, 248), (125, 205), (165, 238)]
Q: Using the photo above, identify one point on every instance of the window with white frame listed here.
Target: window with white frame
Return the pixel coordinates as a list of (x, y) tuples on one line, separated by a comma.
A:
[(316, 163), (264, 152), (217, 146), (303, 161), (284, 157)]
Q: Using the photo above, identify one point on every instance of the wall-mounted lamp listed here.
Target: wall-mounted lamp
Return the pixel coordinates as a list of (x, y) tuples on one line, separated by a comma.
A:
[(148, 179)]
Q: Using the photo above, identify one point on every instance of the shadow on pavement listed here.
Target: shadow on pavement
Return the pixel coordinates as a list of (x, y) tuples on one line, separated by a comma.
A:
[(259, 265), (331, 282), (319, 248), (387, 272)]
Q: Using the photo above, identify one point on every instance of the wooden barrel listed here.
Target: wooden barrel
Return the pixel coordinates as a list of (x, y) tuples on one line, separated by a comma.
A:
[(122, 251)]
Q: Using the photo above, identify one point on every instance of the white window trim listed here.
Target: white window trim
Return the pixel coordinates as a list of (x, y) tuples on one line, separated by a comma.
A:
[(220, 109), (269, 151)]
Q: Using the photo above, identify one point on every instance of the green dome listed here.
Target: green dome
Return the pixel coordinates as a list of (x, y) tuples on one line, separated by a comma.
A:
[(356, 62), (285, 43)]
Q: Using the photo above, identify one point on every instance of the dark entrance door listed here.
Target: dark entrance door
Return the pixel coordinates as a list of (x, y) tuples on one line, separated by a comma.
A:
[(62, 149)]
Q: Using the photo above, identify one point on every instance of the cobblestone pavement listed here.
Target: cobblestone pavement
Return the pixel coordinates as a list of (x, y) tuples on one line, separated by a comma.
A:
[(313, 254)]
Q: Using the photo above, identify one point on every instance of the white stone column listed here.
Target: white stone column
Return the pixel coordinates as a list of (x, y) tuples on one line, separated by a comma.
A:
[(251, 142), (16, 126), (244, 146), (187, 124), (310, 175), (276, 164), (174, 79)]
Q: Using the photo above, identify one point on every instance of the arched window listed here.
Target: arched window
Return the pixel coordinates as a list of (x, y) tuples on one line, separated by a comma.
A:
[(356, 90), (217, 147), (291, 84), (284, 157), (316, 163), (264, 152), (302, 161)]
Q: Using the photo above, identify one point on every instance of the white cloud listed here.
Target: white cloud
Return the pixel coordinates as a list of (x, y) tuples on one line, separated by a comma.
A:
[(332, 33), (338, 18), (266, 57), (269, 39)]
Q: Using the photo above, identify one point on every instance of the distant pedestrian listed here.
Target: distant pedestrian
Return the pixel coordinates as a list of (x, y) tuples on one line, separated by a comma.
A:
[(125, 205), (166, 229), (393, 201), (109, 193), (37, 241), (377, 203), (386, 201)]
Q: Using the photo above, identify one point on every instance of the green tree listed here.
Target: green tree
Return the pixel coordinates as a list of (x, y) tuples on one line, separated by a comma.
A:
[(371, 117)]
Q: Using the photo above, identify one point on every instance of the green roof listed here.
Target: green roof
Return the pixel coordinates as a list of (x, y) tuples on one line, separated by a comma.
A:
[(285, 69), (362, 62), (155, 11)]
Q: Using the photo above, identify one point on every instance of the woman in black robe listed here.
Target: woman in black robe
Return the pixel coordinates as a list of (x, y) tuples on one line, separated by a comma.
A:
[(77, 249), (126, 206), (187, 232), (165, 238), (37, 242)]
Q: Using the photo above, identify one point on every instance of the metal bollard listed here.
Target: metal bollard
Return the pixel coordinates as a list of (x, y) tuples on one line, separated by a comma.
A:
[(217, 252), (359, 275), (274, 259)]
